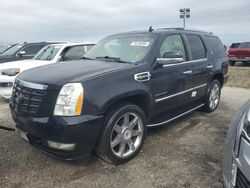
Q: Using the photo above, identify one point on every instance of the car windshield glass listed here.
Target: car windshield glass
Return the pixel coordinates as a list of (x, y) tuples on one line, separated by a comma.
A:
[(131, 48), (235, 45), (47, 53), (12, 50), (5, 47)]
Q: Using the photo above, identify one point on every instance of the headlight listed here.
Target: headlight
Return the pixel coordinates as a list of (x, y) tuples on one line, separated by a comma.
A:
[(70, 100), (243, 130), (10, 72)]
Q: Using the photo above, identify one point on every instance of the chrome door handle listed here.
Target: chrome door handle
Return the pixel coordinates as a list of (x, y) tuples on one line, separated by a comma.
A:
[(210, 66), (188, 72)]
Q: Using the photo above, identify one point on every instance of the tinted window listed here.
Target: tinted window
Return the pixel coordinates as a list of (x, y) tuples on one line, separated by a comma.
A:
[(235, 45), (196, 46), (75, 52), (31, 50), (244, 45), (215, 46), (172, 43), (12, 50)]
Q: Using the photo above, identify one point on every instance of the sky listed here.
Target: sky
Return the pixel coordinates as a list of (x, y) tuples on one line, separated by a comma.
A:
[(81, 20)]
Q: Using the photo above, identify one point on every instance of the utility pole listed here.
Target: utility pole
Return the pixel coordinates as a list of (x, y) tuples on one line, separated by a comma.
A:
[(184, 13)]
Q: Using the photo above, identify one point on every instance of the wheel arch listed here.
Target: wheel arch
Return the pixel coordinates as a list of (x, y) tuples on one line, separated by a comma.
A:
[(218, 76), (141, 98)]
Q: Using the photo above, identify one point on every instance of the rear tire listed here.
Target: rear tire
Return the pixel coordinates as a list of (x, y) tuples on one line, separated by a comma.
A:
[(212, 98), (123, 134)]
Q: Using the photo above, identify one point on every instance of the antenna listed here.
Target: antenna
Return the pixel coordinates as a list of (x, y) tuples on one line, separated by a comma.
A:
[(150, 29)]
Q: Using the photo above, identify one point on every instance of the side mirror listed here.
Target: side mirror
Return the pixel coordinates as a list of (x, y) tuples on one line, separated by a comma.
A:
[(171, 57), (21, 53)]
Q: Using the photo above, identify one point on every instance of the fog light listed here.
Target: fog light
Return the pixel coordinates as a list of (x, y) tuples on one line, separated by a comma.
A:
[(61, 146), (234, 174)]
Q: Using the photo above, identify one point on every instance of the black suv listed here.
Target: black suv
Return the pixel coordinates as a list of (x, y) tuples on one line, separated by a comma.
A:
[(22, 51), (124, 84)]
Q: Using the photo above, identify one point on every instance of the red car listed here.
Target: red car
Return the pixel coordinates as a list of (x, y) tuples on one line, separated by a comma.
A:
[(239, 52)]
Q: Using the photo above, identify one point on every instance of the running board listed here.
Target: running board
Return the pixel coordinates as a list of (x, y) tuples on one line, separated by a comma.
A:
[(176, 117)]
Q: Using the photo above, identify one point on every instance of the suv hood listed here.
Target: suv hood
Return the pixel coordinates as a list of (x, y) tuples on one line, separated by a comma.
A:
[(58, 74)]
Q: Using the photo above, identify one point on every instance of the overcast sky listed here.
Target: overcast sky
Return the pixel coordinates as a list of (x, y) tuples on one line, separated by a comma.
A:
[(79, 20)]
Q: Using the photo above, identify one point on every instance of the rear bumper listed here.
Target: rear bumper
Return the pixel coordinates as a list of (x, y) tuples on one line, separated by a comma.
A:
[(245, 59), (83, 131)]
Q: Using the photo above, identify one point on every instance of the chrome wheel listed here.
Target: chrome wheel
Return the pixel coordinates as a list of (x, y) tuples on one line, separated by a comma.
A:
[(214, 96), (127, 134)]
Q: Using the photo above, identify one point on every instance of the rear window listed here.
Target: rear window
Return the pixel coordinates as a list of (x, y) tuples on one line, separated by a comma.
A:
[(215, 46), (235, 45), (196, 46), (244, 45)]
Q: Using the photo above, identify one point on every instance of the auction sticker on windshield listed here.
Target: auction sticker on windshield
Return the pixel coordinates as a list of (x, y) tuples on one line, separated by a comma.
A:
[(140, 43)]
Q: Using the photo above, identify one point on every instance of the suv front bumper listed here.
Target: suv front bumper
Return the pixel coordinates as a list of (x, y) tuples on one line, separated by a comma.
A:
[(81, 132)]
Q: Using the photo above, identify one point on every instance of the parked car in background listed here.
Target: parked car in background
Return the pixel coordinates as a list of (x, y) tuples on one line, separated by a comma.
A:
[(5, 47), (126, 83), (240, 53), (236, 158), (49, 54), (22, 51)]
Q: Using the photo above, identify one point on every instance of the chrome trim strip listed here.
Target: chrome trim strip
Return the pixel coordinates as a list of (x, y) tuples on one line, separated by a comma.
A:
[(182, 92), (174, 118), (193, 61), (210, 66), (32, 85), (188, 72)]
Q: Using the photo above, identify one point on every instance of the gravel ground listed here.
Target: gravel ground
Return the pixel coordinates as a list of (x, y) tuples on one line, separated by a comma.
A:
[(185, 153)]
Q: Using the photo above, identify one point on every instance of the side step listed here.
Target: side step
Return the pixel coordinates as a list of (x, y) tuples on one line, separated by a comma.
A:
[(176, 117)]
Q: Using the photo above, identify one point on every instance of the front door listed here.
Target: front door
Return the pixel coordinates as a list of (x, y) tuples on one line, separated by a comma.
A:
[(170, 82)]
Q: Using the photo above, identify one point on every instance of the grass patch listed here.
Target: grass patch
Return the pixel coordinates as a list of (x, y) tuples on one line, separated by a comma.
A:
[(239, 77)]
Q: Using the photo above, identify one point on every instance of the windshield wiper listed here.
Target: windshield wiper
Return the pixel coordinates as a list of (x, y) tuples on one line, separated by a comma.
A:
[(83, 57), (117, 59)]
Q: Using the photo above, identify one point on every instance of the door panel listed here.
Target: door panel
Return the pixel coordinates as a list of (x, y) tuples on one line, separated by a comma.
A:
[(200, 66), (169, 82)]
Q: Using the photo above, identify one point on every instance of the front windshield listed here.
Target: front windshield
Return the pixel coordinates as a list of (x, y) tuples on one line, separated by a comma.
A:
[(126, 48), (12, 50), (3, 48), (47, 53)]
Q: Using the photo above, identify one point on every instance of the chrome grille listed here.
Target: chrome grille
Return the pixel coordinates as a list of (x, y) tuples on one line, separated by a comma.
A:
[(26, 101)]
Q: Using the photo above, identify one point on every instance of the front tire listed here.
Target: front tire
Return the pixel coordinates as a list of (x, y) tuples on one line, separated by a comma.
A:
[(123, 134), (212, 98)]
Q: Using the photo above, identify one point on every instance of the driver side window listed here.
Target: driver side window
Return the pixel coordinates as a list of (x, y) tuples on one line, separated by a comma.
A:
[(173, 43)]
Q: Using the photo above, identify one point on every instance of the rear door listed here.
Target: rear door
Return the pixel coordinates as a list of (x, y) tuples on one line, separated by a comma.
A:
[(171, 81), (200, 66)]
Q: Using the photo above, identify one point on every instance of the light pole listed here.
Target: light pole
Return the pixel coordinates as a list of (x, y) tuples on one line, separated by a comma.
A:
[(184, 13)]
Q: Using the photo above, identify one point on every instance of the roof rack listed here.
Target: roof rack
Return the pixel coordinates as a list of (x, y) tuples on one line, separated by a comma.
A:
[(180, 28)]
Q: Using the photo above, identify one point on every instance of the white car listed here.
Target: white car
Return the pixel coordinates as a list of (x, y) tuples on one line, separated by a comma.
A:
[(53, 53)]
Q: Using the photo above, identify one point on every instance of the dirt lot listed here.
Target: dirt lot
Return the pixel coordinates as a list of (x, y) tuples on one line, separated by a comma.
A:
[(239, 76), (186, 153)]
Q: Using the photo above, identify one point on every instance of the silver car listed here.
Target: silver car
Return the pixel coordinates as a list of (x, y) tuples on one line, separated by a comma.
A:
[(236, 159)]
